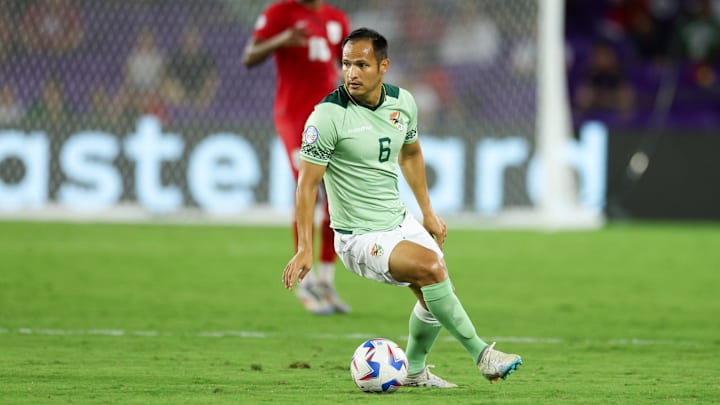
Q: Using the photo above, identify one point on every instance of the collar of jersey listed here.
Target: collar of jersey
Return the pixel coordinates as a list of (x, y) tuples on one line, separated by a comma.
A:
[(382, 99)]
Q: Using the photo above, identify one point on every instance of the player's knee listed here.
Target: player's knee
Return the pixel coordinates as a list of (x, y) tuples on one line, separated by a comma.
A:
[(431, 272)]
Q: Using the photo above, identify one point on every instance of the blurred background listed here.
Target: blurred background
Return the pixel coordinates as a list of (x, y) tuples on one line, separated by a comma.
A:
[(143, 107)]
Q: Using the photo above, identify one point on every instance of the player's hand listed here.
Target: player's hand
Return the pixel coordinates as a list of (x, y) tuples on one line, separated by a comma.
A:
[(297, 35), (437, 228), (297, 268)]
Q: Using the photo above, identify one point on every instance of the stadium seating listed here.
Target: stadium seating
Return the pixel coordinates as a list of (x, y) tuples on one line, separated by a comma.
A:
[(668, 96)]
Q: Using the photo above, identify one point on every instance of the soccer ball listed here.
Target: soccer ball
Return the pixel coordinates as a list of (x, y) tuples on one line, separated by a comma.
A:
[(378, 365)]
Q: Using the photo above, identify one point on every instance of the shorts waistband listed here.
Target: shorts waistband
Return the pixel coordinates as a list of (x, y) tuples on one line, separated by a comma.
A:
[(343, 231)]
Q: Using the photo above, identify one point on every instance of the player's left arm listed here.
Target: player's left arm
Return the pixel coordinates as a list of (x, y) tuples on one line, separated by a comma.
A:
[(412, 165), (257, 51), (309, 179)]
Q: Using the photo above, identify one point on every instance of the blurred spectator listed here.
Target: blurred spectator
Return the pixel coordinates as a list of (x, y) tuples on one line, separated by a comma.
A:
[(50, 107), (603, 85), (133, 105), (699, 33), (104, 108), (11, 111), (145, 65), (99, 106), (144, 72), (380, 15), (621, 16), (524, 57), (664, 13), (192, 76), (52, 26), (650, 41), (421, 27), (472, 38)]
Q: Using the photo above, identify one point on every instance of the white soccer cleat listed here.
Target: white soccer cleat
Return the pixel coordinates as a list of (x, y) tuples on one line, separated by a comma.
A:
[(313, 300), (494, 364), (427, 379), (331, 296)]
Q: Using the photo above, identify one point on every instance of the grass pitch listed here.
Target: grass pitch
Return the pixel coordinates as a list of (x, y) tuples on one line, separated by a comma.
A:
[(142, 314)]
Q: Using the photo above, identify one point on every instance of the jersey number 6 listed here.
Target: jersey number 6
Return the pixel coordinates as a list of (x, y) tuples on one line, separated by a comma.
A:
[(384, 149)]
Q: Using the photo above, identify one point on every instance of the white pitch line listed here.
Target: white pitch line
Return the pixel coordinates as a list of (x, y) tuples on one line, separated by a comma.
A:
[(329, 336)]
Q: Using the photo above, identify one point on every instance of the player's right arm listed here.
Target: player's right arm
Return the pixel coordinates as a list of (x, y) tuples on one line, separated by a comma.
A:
[(305, 198), (257, 51)]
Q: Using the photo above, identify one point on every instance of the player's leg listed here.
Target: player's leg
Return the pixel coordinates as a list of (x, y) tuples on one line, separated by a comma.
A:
[(423, 331), (309, 292), (327, 258), (367, 255), (409, 256), (418, 261), (424, 268)]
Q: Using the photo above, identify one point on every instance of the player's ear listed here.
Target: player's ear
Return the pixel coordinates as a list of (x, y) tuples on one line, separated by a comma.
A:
[(384, 65)]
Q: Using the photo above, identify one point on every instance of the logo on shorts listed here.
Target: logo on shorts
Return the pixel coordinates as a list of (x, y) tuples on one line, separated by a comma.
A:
[(377, 250), (311, 135)]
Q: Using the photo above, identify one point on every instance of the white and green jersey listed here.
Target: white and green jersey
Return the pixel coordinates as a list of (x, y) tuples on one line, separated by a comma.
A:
[(360, 146)]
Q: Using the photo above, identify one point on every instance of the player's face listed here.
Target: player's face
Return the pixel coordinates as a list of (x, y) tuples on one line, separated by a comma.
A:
[(362, 72)]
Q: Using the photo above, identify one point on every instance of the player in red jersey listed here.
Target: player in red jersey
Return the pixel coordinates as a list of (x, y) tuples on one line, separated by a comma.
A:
[(305, 39)]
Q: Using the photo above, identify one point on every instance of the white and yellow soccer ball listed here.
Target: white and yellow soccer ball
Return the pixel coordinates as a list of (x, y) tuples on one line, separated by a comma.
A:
[(379, 365)]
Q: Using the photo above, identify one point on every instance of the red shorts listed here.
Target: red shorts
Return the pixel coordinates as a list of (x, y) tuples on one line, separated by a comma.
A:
[(290, 131)]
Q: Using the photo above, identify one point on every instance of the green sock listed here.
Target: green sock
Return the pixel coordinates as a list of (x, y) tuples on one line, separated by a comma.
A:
[(447, 309), (424, 329)]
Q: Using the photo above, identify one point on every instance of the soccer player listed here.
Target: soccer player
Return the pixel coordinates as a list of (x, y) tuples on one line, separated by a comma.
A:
[(304, 37), (355, 139)]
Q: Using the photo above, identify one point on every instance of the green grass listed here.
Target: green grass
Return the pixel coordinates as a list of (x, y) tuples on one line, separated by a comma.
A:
[(141, 314)]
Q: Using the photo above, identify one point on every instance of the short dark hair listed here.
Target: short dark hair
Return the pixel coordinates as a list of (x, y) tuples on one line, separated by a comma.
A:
[(379, 43)]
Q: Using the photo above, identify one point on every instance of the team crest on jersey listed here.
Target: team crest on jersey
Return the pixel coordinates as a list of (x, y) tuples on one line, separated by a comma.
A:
[(311, 135), (376, 250), (396, 120)]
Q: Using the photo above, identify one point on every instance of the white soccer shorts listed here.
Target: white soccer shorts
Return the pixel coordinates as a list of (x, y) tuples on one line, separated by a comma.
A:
[(368, 254)]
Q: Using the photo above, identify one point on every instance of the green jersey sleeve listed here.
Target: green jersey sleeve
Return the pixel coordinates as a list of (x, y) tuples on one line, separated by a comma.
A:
[(411, 134), (320, 134)]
